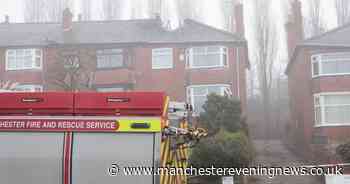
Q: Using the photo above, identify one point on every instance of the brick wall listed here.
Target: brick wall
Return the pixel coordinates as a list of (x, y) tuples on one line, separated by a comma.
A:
[(302, 87), (139, 74)]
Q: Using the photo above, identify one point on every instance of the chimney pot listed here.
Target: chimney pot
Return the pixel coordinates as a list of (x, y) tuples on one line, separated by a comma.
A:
[(7, 19), (80, 17), (67, 20), (157, 16)]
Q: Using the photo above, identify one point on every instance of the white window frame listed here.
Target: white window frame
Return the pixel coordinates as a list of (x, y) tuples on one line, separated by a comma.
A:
[(154, 53), (34, 56), (322, 122), (32, 87), (104, 52), (318, 58), (224, 51), (190, 92)]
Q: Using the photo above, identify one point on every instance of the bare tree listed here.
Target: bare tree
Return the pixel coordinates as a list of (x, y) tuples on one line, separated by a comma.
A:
[(314, 25), (45, 10), (111, 9), (56, 7), (86, 9), (265, 54), (73, 70), (34, 11), (343, 11)]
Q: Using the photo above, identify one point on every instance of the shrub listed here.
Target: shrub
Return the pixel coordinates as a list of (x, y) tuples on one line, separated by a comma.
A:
[(221, 112), (344, 151)]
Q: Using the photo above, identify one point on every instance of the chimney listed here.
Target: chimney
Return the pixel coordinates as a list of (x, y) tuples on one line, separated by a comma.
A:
[(67, 20), (7, 19), (294, 27), (80, 17), (239, 20)]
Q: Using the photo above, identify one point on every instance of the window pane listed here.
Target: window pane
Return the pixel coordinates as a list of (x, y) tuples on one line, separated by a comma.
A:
[(336, 99), (116, 61), (27, 61), (339, 115), (94, 153), (333, 115), (29, 88), (11, 62), (206, 60), (329, 67), (337, 63), (346, 114), (214, 89), (200, 93), (31, 158), (336, 56), (214, 49), (343, 66), (162, 58), (337, 108), (110, 89), (11, 52), (315, 68), (37, 62), (318, 115), (19, 63), (199, 50), (317, 101), (24, 58), (110, 58), (199, 102), (20, 52), (38, 52), (211, 56), (200, 90)]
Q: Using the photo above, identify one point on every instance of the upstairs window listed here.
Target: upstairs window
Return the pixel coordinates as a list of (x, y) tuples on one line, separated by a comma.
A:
[(162, 58), (207, 57), (197, 94), (110, 58), (332, 109), (330, 64), (22, 59), (29, 88)]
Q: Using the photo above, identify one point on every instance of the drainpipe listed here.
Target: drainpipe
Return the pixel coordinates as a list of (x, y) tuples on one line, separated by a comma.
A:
[(238, 70)]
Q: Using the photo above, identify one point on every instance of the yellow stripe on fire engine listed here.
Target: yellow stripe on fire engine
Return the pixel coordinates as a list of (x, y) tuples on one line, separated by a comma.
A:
[(139, 125)]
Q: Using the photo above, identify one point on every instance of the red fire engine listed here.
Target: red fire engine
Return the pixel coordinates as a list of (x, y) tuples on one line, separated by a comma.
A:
[(63, 138)]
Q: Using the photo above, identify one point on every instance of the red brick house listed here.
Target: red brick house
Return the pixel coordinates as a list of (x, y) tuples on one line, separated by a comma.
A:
[(187, 63), (319, 88)]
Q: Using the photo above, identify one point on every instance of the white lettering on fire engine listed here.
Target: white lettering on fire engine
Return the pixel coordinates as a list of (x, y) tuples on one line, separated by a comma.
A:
[(63, 124), (100, 125), (12, 124), (72, 125)]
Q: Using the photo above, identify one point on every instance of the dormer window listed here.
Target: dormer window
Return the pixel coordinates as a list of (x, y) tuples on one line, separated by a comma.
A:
[(330, 64), (207, 57), (23, 59)]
